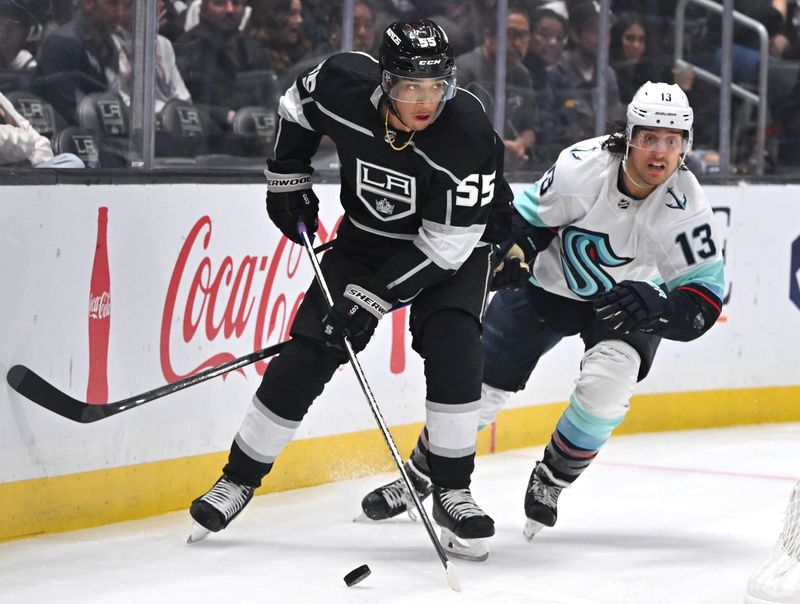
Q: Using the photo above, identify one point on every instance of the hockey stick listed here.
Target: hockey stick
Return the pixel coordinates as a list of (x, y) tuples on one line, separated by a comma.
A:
[(449, 567), (35, 388)]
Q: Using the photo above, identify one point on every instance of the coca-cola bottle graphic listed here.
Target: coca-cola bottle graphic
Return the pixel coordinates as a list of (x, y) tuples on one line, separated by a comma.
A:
[(99, 316)]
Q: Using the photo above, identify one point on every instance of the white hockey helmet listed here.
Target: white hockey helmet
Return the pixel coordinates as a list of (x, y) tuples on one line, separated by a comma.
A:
[(660, 105)]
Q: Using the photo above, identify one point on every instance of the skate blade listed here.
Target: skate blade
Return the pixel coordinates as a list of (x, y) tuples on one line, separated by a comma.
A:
[(531, 528), (363, 518), (409, 511), (474, 550), (197, 533)]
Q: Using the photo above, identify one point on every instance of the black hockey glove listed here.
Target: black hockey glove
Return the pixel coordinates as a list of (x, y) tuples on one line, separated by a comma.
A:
[(530, 239), (290, 198), (512, 272), (356, 314), (634, 305)]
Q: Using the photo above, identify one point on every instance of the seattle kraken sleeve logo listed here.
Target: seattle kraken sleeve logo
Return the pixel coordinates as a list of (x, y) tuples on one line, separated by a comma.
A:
[(679, 204), (582, 258), (574, 152)]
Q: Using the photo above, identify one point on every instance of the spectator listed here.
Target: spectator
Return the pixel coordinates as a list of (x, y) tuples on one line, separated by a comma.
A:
[(317, 15), (213, 56), (21, 145), (191, 17), (771, 14), (364, 34), (548, 36), (278, 25), (80, 57), (169, 83), (476, 73), (172, 22), (574, 80), (16, 23), (461, 21), (364, 40), (365, 37), (58, 13), (628, 46)]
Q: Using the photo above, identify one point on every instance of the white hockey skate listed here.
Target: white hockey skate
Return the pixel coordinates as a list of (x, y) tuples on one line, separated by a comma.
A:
[(465, 526), (541, 500), (215, 510)]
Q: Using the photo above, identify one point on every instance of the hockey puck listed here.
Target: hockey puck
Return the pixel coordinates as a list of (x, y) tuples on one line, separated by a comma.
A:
[(357, 575)]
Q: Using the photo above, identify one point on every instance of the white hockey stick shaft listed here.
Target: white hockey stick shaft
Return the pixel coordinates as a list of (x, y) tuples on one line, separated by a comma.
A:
[(452, 575)]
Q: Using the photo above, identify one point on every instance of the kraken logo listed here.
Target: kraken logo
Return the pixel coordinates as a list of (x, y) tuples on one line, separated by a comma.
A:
[(679, 204), (583, 257)]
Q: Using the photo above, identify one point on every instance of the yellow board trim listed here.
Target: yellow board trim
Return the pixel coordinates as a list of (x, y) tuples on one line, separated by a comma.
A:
[(75, 501)]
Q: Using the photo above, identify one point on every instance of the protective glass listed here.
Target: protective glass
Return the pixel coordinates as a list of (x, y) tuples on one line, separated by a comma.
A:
[(671, 142), (419, 90)]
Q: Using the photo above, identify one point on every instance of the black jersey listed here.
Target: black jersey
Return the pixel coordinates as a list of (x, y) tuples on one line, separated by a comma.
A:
[(434, 196)]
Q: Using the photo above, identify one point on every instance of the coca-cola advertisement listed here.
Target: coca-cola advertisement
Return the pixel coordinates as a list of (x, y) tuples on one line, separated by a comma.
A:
[(99, 315), (215, 301)]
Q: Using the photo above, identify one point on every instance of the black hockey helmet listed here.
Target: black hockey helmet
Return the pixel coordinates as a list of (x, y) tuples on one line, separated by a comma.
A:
[(418, 49), (414, 51)]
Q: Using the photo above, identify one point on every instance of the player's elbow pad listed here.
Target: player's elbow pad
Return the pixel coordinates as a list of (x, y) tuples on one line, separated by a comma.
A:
[(694, 312)]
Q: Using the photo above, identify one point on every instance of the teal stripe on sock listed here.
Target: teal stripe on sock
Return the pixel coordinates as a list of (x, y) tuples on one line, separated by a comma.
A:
[(585, 430)]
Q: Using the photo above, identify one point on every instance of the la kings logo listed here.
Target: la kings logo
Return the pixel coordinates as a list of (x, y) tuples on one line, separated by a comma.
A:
[(387, 194)]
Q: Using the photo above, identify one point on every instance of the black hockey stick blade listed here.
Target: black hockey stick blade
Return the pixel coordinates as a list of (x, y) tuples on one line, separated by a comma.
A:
[(38, 390)]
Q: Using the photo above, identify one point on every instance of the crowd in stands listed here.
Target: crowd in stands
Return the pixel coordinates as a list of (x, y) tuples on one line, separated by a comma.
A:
[(67, 70)]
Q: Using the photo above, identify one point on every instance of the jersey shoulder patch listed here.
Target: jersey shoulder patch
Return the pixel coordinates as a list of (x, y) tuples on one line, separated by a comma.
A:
[(584, 150), (581, 169), (683, 194)]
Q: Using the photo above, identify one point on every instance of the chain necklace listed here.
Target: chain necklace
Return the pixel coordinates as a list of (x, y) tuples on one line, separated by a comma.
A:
[(390, 136)]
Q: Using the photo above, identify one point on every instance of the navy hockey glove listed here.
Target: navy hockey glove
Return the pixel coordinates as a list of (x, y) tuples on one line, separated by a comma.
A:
[(634, 305), (512, 272), (356, 314), (290, 198)]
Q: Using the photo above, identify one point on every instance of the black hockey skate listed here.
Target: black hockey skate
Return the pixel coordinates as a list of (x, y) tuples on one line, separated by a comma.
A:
[(393, 499), (541, 500), (214, 511), (465, 526)]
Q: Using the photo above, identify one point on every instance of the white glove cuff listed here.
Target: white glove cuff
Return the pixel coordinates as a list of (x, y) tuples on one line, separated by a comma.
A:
[(286, 183), (367, 300)]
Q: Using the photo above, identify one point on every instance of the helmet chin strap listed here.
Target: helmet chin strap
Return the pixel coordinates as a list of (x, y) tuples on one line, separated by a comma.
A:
[(625, 168), (390, 106)]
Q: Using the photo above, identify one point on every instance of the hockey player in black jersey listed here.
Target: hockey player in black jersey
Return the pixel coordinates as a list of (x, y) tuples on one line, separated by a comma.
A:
[(424, 198)]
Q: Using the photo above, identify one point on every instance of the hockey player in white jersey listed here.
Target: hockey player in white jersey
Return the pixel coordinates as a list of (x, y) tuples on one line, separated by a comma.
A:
[(620, 242)]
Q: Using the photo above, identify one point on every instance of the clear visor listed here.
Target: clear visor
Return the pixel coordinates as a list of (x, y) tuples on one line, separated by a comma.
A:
[(419, 90), (667, 142)]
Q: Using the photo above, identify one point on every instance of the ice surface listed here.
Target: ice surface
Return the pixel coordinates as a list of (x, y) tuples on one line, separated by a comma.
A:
[(667, 518)]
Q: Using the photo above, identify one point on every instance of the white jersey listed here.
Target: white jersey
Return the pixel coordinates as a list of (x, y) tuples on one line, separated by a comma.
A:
[(605, 236)]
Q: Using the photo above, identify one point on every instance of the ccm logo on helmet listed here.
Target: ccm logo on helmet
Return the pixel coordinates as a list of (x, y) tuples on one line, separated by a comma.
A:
[(430, 62), (288, 182), (393, 36)]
